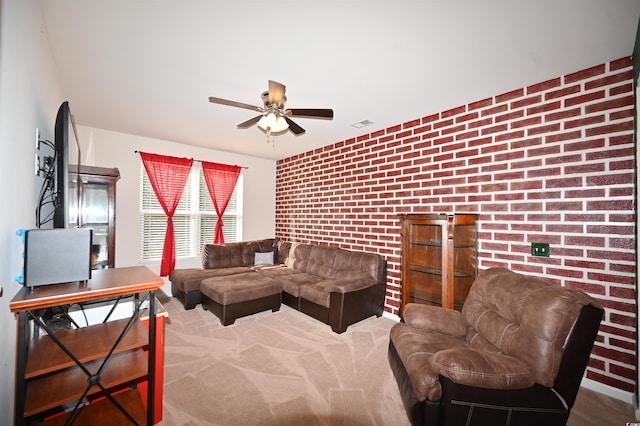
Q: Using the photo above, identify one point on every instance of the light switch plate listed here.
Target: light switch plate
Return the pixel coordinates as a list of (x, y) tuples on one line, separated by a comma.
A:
[(540, 249)]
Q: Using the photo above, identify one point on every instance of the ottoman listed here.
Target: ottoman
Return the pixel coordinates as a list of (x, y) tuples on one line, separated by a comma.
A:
[(234, 296)]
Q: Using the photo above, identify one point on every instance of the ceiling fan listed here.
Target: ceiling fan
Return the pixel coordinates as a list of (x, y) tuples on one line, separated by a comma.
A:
[(274, 118)]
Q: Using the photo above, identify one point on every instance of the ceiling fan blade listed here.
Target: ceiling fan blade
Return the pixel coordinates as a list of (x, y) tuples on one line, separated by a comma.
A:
[(249, 123), (276, 93), (311, 112), (297, 130), (234, 104)]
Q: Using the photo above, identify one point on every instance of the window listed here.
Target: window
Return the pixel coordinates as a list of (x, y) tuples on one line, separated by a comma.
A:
[(194, 220)]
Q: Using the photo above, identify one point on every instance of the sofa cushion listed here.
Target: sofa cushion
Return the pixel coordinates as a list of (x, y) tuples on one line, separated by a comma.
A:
[(523, 317), (292, 283), (434, 319), (188, 279), (317, 292), (356, 264), (474, 367), (233, 254), (316, 260), (415, 349)]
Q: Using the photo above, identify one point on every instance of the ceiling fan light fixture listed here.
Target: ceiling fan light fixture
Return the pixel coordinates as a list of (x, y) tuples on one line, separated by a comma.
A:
[(273, 123)]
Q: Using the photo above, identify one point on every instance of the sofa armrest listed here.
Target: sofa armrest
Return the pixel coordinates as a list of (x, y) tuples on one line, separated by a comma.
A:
[(347, 285), (434, 319), (473, 367)]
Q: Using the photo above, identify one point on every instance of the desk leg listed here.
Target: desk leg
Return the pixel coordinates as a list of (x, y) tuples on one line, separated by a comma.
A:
[(151, 372), (21, 368)]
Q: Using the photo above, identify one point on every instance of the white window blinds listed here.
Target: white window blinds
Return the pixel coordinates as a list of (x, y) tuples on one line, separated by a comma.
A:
[(194, 220)]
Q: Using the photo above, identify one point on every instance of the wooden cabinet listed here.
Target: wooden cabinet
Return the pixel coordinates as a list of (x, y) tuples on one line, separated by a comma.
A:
[(104, 373), (439, 258), (96, 205)]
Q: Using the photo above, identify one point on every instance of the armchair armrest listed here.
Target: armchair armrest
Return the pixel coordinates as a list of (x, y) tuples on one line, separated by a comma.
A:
[(482, 369), (434, 319)]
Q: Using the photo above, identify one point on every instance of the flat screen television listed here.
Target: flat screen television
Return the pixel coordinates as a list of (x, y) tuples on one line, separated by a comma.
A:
[(67, 163)]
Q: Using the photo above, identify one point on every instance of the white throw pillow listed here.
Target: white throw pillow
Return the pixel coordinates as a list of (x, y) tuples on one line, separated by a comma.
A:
[(263, 258)]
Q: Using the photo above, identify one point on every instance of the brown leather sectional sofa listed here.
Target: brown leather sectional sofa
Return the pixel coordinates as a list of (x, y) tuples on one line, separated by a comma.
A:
[(336, 286)]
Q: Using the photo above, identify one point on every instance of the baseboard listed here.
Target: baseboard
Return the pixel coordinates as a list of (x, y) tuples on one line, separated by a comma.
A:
[(391, 316), (609, 391)]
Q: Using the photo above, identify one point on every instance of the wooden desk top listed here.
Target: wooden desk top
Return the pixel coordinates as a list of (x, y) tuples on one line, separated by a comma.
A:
[(103, 283)]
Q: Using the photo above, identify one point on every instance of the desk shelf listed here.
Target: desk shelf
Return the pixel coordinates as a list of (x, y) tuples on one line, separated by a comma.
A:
[(59, 368)]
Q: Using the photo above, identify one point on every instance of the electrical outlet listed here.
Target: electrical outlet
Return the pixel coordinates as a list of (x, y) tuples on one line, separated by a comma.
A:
[(37, 139), (540, 249)]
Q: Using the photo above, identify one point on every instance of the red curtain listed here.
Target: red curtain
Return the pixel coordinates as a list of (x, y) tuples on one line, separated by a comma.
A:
[(168, 177), (221, 179)]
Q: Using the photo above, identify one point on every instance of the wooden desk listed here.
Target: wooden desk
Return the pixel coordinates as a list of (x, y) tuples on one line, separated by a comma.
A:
[(105, 361)]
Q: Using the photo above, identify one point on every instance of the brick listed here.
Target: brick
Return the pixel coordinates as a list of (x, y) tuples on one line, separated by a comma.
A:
[(564, 114), (543, 86), (584, 122), (521, 103), (621, 89), (466, 117), (480, 104), (511, 115), (479, 123), (544, 172), (609, 80), (584, 168), (609, 104), (548, 128), (472, 134), (624, 62), (585, 241), (510, 156), (610, 179), (583, 99), (494, 110), (453, 111), (442, 123), (505, 97), (551, 106), (627, 113), (453, 129), (412, 123), (562, 93), (584, 74), (544, 195)]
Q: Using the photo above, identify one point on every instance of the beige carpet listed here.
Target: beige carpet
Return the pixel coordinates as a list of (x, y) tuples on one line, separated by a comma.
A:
[(285, 368), (281, 368)]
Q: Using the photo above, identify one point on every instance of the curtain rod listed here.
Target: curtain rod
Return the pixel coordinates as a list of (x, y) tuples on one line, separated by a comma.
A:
[(199, 161)]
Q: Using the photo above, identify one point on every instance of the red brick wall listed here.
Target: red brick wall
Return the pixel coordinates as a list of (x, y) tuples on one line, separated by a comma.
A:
[(552, 162)]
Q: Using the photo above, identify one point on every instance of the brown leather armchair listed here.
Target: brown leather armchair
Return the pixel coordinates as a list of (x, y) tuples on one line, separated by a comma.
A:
[(515, 355)]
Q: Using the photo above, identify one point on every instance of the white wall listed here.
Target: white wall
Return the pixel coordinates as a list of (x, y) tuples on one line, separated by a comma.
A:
[(30, 95), (111, 149)]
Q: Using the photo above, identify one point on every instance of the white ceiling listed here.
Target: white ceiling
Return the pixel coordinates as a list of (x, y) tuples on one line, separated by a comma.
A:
[(147, 67)]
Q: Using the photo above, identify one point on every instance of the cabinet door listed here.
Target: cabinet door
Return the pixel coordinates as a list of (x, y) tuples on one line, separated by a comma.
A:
[(97, 211), (94, 214), (439, 259), (464, 265), (424, 273)]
